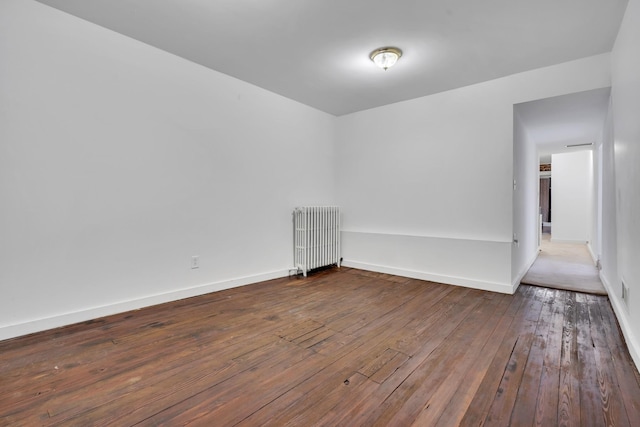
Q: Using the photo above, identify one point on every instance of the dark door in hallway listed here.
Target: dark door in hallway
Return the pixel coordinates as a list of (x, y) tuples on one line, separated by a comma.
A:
[(545, 199)]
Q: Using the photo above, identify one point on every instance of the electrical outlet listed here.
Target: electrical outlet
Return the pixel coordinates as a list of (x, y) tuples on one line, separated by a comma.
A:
[(195, 261)]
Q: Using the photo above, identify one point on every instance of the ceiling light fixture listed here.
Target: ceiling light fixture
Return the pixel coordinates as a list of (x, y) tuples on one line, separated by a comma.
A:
[(385, 57), (579, 145)]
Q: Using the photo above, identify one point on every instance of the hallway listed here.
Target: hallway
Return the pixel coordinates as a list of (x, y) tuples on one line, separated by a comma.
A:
[(566, 266)]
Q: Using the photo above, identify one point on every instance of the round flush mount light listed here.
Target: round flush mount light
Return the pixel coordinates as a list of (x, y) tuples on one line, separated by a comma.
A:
[(385, 57)]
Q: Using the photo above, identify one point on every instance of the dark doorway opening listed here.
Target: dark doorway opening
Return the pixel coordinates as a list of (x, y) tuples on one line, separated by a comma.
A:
[(545, 203)]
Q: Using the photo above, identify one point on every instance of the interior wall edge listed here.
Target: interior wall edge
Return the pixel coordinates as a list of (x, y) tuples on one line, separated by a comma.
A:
[(65, 319), (521, 274), (432, 277), (633, 343)]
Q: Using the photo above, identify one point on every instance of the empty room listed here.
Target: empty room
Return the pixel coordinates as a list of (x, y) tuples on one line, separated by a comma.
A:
[(316, 213)]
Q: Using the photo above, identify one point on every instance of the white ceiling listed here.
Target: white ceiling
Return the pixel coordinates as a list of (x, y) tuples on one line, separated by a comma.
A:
[(317, 52), (553, 123)]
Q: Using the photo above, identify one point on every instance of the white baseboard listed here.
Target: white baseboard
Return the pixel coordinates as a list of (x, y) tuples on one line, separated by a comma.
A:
[(623, 319), (594, 257), (579, 242), (422, 275), (38, 325)]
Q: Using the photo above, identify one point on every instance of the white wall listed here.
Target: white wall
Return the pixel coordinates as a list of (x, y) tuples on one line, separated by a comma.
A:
[(118, 162), (609, 244), (571, 192), (440, 168), (625, 179), (592, 196), (595, 234), (526, 196)]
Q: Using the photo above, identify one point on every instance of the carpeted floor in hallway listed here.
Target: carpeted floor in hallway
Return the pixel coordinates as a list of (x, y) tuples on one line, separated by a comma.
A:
[(567, 266)]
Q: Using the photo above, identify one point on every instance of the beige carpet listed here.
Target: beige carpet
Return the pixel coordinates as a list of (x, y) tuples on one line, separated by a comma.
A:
[(564, 266)]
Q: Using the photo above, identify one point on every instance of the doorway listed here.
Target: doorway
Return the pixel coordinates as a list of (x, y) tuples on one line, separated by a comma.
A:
[(545, 203), (555, 126)]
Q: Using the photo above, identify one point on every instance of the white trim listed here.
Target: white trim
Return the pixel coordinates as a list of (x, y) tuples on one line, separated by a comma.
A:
[(428, 236), (422, 275), (581, 242), (625, 324), (593, 255), (38, 325)]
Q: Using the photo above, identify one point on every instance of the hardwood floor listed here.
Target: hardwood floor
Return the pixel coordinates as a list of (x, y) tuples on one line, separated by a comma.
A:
[(342, 347)]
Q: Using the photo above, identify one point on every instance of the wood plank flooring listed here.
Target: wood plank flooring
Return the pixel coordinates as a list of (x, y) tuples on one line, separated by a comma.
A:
[(341, 347)]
